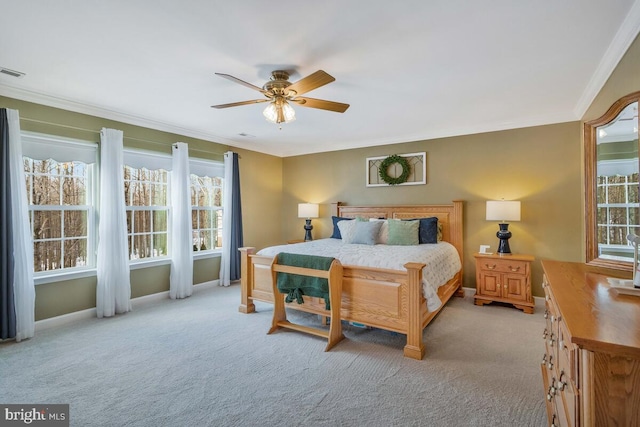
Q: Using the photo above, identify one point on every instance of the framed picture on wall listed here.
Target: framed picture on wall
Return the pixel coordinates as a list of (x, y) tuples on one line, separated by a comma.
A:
[(396, 169)]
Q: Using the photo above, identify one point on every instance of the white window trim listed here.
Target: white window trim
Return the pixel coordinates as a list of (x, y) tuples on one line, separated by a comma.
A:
[(43, 277), (80, 273), (213, 253), (39, 146)]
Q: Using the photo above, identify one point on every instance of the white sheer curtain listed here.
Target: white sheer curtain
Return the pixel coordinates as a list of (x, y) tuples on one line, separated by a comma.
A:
[(227, 217), (24, 291), (113, 293), (181, 278)]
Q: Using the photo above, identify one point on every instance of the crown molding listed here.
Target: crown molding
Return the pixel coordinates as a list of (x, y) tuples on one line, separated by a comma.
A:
[(540, 120), (105, 113), (626, 34)]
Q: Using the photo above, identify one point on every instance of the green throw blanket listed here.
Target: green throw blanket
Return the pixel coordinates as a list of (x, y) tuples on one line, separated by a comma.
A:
[(295, 285)]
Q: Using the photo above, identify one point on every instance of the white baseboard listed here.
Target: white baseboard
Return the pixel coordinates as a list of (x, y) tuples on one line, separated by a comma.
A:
[(89, 313)]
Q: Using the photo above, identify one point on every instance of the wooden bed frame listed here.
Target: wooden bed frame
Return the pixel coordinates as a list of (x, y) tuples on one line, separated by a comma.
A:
[(387, 299)]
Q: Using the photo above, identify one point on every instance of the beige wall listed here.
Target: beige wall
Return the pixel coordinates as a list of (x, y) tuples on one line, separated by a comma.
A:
[(539, 166), (261, 184)]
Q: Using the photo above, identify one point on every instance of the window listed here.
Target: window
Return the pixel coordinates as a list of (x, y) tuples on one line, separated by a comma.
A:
[(206, 212), (146, 200), (206, 204), (611, 180), (59, 177), (617, 215)]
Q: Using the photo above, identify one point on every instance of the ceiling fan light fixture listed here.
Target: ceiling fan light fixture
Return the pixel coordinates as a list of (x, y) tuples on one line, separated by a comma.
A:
[(279, 111), (279, 92)]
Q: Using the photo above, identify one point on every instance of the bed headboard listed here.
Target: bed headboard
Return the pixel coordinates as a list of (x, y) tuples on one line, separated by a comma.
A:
[(449, 215)]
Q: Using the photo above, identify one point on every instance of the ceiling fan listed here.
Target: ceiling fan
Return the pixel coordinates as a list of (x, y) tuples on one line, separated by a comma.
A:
[(279, 92)]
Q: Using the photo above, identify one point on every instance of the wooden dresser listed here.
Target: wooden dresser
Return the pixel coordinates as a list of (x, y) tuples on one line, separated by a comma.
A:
[(591, 364)]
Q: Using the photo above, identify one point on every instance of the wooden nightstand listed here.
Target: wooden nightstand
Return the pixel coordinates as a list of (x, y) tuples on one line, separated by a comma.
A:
[(504, 278)]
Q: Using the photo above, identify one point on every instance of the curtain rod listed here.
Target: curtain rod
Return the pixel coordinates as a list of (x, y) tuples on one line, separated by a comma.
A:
[(97, 132)]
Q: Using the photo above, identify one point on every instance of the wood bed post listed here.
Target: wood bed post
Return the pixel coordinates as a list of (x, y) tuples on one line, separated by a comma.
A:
[(334, 208), (415, 346), (458, 238), (246, 271)]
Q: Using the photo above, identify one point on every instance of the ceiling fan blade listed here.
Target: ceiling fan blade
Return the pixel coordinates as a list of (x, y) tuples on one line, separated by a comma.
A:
[(242, 82), (338, 107), (311, 82), (237, 104)]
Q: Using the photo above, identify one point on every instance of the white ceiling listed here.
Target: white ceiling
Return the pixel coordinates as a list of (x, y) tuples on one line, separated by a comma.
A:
[(411, 69)]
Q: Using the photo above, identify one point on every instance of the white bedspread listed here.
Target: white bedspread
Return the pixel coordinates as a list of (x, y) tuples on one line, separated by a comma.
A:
[(442, 259)]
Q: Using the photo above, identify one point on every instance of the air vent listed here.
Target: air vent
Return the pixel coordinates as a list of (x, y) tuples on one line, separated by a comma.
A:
[(247, 135), (11, 73)]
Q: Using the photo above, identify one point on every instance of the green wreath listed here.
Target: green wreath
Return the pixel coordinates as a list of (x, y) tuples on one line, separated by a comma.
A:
[(384, 169)]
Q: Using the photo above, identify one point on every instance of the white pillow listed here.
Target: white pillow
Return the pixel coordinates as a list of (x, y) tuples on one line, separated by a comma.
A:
[(383, 234), (347, 230)]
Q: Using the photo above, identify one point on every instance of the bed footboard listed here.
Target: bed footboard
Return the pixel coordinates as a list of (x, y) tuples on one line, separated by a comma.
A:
[(385, 299)]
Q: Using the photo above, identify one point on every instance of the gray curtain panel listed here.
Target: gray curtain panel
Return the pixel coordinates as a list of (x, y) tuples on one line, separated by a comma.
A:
[(236, 222), (7, 303)]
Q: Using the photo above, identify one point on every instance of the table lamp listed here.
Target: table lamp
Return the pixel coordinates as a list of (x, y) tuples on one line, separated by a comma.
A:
[(307, 211), (503, 211)]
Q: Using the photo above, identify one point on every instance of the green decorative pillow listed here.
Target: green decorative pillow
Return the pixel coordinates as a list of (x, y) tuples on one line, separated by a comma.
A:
[(403, 233)]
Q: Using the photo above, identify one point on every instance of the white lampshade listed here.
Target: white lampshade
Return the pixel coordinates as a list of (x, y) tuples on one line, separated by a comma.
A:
[(308, 210), (503, 210)]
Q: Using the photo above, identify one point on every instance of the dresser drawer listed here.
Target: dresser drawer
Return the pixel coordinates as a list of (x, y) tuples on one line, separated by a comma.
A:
[(568, 355), (505, 265), (567, 396)]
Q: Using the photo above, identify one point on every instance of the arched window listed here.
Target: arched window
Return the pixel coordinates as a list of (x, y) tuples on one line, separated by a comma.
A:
[(611, 184)]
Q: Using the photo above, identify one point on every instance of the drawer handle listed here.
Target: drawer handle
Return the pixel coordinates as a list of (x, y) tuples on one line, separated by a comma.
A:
[(545, 333), (514, 269), (544, 359), (493, 267), (561, 384), (553, 421), (552, 390), (551, 339)]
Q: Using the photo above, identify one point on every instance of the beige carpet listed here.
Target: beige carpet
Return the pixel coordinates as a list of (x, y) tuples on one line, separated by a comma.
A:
[(198, 362)]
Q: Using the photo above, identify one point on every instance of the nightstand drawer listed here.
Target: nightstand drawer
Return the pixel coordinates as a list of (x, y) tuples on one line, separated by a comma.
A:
[(504, 265)]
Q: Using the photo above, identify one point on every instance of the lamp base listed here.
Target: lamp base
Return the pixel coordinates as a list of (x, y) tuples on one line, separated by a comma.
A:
[(504, 235), (307, 230)]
